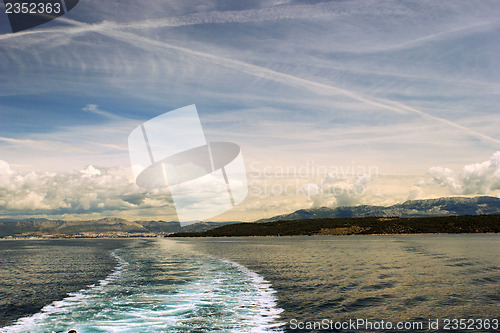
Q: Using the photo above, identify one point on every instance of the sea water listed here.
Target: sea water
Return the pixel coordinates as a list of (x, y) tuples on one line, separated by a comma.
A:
[(409, 279), (161, 286), (262, 284)]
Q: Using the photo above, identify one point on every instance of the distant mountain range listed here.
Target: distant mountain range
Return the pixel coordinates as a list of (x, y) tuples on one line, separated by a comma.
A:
[(483, 205), (40, 227)]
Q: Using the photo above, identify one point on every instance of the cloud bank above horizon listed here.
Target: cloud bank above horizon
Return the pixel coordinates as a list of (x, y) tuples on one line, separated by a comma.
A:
[(95, 192)]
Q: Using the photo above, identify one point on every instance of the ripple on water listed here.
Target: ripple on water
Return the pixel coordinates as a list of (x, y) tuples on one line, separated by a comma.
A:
[(215, 295)]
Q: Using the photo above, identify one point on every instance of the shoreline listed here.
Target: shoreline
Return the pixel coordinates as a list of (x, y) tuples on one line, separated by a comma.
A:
[(469, 224), (333, 226), (251, 236)]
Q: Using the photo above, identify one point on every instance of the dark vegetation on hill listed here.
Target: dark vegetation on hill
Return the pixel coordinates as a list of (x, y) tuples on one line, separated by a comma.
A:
[(359, 225)]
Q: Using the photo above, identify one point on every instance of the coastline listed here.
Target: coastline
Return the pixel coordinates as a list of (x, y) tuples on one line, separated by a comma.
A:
[(180, 236), (463, 224), (332, 226)]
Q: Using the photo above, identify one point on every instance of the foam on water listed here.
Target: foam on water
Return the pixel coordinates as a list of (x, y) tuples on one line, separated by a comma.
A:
[(153, 296), (35, 322)]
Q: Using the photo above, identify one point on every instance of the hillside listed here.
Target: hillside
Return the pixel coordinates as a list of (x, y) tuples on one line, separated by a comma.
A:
[(108, 226), (358, 225), (482, 205)]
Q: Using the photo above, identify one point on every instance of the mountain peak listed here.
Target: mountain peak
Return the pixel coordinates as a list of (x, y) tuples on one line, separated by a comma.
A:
[(481, 205)]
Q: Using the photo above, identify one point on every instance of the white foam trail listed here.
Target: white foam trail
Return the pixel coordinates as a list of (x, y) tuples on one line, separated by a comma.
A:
[(269, 313), (26, 324), (212, 294)]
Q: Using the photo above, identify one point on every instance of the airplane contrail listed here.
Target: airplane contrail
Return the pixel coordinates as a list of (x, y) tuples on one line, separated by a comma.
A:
[(114, 30)]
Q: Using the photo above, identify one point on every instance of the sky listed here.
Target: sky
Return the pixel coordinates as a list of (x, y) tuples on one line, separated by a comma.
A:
[(332, 103)]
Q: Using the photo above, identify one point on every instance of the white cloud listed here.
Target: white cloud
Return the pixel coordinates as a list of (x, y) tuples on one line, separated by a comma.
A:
[(90, 171), (334, 191), (446, 177), (106, 191), (5, 173), (311, 189), (476, 178)]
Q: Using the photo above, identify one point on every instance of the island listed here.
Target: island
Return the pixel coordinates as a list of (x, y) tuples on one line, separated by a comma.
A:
[(357, 226)]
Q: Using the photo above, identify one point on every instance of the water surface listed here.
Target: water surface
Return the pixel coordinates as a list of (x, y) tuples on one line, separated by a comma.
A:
[(391, 278), (253, 284)]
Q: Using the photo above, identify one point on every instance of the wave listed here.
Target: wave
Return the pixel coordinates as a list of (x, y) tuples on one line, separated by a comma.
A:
[(29, 324), (180, 292)]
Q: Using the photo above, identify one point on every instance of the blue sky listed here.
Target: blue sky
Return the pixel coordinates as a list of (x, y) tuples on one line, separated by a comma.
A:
[(402, 85)]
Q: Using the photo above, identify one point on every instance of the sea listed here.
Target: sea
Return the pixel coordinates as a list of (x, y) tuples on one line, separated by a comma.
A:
[(372, 283)]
